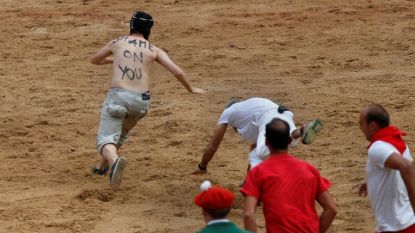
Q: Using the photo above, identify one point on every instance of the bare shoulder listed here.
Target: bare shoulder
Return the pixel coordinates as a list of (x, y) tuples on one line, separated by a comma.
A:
[(160, 53), (156, 49)]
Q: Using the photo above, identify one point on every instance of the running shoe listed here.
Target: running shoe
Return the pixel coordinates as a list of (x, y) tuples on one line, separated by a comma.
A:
[(116, 173), (310, 130)]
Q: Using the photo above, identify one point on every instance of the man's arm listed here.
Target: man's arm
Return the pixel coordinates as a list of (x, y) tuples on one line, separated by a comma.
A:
[(249, 213), (164, 60), (329, 210), (102, 56), (211, 148), (407, 170)]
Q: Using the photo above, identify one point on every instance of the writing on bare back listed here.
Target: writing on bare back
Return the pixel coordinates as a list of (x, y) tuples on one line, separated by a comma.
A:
[(136, 56), (136, 42)]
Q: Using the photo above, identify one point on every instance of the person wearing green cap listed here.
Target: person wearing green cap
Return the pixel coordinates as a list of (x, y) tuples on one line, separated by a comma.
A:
[(216, 203)]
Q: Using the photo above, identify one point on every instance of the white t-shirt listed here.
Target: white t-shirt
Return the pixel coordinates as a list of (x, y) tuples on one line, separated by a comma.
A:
[(386, 189), (244, 115)]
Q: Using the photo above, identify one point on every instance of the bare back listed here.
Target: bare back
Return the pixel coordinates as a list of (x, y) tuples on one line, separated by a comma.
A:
[(132, 58)]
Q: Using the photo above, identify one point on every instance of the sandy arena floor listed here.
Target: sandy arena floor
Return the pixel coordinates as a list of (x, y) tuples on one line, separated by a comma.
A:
[(322, 59)]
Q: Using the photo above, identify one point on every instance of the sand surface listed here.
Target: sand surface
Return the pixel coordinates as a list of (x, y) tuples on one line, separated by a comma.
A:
[(322, 59)]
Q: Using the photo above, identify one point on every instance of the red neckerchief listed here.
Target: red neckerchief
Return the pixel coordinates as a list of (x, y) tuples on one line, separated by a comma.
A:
[(392, 135)]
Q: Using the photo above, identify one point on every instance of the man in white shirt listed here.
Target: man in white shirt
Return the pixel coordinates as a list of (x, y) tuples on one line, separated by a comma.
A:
[(390, 173), (249, 118)]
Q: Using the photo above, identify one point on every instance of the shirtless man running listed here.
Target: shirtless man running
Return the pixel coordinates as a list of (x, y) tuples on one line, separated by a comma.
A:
[(128, 99)]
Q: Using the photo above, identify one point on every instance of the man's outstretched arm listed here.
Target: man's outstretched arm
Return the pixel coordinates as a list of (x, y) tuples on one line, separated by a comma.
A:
[(164, 60), (211, 148)]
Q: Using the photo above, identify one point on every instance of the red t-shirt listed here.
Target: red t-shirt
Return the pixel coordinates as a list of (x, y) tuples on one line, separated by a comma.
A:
[(288, 188)]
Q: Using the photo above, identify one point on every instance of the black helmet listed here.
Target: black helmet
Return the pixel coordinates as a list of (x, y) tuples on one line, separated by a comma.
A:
[(141, 22)]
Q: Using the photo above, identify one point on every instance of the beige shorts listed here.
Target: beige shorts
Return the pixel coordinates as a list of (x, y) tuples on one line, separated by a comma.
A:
[(120, 113)]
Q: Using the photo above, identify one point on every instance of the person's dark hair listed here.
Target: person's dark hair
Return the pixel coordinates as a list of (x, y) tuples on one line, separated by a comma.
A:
[(378, 114), (233, 101), (277, 134), (218, 213), (141, 22)]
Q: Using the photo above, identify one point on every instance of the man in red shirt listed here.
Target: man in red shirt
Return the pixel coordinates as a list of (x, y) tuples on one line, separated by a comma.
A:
[(288, 188)]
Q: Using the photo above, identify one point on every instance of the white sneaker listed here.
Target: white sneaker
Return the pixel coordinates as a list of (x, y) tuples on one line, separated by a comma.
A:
[(310, 130), (116, 173)]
